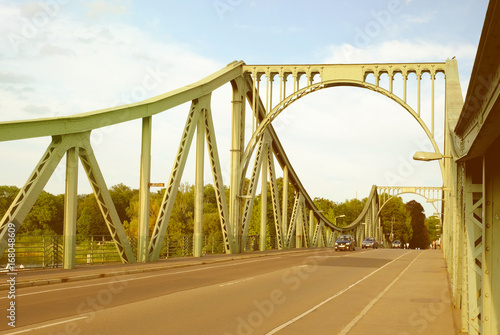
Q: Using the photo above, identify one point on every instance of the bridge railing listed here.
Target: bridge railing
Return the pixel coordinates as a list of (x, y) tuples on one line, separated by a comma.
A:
[(46, 251)]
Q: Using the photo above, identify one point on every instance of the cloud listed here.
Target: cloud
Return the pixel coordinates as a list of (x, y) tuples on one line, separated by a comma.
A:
[(98, 8), (36, 110), (398, 51), (71, 67), (424, 18), (276, 30), (15, 78), (50, 50)]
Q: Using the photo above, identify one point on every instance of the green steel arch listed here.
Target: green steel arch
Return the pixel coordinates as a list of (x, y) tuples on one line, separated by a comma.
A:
[(281, 106)]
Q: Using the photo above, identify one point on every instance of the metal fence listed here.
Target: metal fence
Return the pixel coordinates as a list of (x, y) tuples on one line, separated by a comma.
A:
[(47, 251)]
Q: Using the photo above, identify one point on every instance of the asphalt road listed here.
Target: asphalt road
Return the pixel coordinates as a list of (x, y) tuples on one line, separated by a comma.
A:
[(310, 292)]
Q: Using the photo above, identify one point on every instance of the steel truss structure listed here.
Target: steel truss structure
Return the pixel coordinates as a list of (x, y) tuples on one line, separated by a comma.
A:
[(469, 196), (465, 184), (307, 226)]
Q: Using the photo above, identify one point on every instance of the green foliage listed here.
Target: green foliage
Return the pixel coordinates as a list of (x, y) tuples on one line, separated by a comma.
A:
[(47, 214), (434, 227), (122, 195), (402, 228), (89, 217), (7, 195), (350, 208), (420, 237)]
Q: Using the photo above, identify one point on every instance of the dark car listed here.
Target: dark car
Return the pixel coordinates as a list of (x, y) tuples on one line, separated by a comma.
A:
[(397, 244), (345, 242), (369, 242)]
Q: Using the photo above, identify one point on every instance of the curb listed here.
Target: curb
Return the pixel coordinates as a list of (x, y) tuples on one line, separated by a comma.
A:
[(66, 279)]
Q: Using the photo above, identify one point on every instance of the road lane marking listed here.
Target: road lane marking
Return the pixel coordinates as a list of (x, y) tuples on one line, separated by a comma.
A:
[(309, 311), (236, 282), (141, 278), (49, 325), (374, 301)]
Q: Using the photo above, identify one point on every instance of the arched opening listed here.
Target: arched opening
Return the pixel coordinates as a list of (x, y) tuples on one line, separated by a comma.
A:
[(346, 133)]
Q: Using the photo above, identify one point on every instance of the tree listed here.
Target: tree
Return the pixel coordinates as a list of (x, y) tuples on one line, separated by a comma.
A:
[(7, 196), (121, 196), (182, 217), (90, 220), (434, 226), (402, 228), (46, 217), (350, 208), (420, 238)]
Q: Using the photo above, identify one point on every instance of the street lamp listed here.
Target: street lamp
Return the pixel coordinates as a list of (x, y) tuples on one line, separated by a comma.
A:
[(428, 156)]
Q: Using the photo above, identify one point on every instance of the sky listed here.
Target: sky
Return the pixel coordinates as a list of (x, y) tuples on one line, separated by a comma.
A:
[(63, 57)]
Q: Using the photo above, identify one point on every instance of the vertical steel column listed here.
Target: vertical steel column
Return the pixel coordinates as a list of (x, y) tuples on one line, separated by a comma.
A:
[(282, 86), (433, 76), (474, 220), (374, 216), (419, 79), (143, 231), (254, 97), (405, 78), (70, 206), (391, 81), (300, 223), (491, 294), (198, 185), (263, 195), (269, 93), (237, 147), (311, 227), (358, 234), (284, 215)]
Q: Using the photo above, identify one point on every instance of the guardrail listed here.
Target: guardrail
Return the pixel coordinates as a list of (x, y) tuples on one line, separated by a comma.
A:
[(47, 251)]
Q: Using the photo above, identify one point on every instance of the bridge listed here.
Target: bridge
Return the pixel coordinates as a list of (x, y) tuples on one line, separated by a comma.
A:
[(466, 201)]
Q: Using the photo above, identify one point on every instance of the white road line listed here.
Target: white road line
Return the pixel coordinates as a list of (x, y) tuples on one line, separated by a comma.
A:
[(286, 324), (49, 325), (236, 282), (337, 256), (141, 278), (374, 301)]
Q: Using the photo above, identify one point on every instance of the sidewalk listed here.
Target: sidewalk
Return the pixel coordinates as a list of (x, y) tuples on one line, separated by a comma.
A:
[(40, 277), (419, 301)]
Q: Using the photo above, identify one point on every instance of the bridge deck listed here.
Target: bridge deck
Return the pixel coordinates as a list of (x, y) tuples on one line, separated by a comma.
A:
[(405, 291)]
